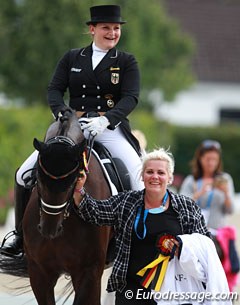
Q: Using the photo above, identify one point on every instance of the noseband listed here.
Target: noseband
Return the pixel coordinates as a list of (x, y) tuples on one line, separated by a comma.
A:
[(57, 209)]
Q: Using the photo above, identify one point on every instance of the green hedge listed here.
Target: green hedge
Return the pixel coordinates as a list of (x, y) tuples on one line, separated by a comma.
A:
[(157, 133), (17, 129)]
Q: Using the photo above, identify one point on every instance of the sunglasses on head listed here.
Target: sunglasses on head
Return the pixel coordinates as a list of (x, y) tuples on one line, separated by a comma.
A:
[(211, 144)]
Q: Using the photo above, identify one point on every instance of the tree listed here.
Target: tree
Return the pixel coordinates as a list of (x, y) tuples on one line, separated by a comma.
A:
[(35, 34)]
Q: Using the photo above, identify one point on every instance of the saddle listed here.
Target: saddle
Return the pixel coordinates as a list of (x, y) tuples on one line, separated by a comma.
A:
[(115, 168)]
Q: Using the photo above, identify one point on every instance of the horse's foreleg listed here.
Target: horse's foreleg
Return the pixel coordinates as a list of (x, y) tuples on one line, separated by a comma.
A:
[(42, 283), (87, 287)]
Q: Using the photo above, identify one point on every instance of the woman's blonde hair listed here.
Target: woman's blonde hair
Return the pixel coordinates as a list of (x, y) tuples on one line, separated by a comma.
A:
[(160, 154)]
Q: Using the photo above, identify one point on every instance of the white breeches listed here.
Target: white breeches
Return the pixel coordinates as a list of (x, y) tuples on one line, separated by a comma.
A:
[(27, 164), (117, 145)]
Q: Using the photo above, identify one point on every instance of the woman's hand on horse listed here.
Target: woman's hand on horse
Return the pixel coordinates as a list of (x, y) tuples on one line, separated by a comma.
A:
[(81, 180), (79, 191)]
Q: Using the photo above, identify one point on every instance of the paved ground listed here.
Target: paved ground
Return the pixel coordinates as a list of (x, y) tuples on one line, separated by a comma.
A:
[(9, 294), (8, 284)]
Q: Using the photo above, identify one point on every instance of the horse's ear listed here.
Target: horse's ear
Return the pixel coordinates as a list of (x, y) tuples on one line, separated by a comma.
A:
[(38, 145)]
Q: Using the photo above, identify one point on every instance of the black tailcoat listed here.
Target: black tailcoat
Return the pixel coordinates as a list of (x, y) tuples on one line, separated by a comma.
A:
[(113, 87)]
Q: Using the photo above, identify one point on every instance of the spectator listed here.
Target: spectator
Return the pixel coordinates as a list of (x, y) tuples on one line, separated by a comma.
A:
[(213, 190)]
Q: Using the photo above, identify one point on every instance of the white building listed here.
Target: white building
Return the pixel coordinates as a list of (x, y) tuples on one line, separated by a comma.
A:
[(204, 104)]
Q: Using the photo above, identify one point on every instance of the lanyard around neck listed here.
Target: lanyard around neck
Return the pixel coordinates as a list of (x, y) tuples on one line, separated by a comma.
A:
[(160, 209), (209, 198)]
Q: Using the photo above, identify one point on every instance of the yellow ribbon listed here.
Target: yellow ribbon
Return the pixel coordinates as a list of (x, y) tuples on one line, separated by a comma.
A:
[(85, 163), (150, 274)]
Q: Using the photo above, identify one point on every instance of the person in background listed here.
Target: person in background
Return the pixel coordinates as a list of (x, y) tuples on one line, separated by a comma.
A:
[(220, 186), (139, 219), (206, 165), (213, 190), (100, 79)]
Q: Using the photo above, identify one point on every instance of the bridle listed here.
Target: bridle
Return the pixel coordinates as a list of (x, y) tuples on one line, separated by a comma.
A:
[(57, 177), (58, 209), (46, 208)]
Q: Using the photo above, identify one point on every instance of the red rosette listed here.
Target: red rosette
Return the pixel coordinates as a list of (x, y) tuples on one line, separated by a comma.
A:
[(162, 243)]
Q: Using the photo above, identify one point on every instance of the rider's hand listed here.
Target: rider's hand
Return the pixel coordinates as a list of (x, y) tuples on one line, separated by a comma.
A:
[(96, 125), (63, 111)]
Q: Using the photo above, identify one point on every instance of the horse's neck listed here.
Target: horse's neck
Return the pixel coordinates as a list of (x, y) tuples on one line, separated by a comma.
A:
[(70, 129), (53, 130)]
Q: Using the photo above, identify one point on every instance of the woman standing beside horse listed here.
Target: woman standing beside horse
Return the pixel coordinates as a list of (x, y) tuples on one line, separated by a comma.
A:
[(99, 78), (153, 224)]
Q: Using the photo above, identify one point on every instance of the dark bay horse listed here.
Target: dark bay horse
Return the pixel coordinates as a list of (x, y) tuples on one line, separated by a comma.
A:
[(56, 240)]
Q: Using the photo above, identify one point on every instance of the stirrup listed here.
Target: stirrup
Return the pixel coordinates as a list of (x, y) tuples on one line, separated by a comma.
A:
[(6, 237)]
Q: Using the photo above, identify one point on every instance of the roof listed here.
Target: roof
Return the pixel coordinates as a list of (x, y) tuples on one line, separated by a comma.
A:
[(215, 27)]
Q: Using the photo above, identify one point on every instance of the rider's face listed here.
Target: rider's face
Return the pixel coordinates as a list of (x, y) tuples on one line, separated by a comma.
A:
[(106, 35)]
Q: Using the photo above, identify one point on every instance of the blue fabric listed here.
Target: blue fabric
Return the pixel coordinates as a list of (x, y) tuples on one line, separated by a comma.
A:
[(233, 256)]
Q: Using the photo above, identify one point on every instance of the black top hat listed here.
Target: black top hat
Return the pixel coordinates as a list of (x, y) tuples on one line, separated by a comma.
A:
[(105, 13)]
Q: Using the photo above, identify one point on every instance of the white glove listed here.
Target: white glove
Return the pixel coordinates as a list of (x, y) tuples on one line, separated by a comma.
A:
[(96, 125)]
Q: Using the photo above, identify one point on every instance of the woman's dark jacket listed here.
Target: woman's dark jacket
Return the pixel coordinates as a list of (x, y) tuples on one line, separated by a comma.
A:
[(113, 87)]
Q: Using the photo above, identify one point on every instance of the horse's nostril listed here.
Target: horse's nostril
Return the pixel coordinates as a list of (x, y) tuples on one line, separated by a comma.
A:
[(39, 228), (60, 229)]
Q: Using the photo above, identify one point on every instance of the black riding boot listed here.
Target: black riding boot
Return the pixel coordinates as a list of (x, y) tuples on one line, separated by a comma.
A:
[(15, 248)]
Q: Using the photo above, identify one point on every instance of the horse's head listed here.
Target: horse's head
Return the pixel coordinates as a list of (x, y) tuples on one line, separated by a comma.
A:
[(59, 163)]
